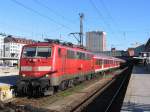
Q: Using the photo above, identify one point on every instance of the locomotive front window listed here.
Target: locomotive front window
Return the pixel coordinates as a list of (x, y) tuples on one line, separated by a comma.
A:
[(29, 52), (43, 52), (36, 52)]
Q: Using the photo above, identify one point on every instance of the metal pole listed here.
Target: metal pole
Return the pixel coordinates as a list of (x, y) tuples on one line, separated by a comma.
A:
[(80, 34), (81, 28)]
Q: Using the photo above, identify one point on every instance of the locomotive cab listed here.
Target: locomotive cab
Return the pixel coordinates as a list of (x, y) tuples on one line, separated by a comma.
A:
[(35, 69), (36, 61)]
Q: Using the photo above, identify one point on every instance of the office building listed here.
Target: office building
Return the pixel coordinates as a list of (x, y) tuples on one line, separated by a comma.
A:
[(96, 41)]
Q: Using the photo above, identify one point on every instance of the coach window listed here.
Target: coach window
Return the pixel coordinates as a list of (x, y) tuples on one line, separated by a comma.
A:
[(105, 61), (100, 62), (97, 62)]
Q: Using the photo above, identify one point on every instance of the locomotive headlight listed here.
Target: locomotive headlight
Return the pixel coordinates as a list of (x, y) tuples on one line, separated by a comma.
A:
[(23, 75), (46, 75)]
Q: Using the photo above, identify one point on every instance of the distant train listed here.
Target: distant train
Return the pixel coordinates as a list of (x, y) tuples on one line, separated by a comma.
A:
[(46, 67)]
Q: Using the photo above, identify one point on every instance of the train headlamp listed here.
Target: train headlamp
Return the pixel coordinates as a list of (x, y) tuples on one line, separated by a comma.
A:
[(23, 75), (46, 75)]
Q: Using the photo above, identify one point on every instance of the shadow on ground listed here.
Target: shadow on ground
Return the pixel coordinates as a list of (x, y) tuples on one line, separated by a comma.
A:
[(143, 70), (9, 79), (135, 107)]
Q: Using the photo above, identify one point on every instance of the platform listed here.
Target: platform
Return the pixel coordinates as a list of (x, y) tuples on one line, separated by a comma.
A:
[(137, 98)]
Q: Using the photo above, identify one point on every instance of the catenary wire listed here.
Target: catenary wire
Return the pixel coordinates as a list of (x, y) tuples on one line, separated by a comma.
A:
[(40, 14), (53, 11)]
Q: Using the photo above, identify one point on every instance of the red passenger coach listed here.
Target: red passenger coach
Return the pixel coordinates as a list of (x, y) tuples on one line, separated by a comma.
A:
[(49, 66), (103, 63)]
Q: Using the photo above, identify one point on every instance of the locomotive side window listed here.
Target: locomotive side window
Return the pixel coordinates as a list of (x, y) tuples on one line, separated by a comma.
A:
[(81, 55), (88, 56), (29, 52), (59, 52), (43, 52), (70, 54), (78, 55)]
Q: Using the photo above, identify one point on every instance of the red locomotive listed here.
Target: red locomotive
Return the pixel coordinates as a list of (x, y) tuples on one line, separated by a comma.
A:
[(49, 66)]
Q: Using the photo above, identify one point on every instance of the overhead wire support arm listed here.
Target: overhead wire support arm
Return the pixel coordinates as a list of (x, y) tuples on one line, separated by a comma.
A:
[(74, 34), (80, 34)]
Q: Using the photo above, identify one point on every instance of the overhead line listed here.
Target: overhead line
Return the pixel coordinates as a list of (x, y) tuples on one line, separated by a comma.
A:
[(40, 14), (100, 14), (109, 14), (53, 11)]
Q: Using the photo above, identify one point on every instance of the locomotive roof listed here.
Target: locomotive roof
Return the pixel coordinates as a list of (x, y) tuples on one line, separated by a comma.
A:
[(98, 56), (60, 45)]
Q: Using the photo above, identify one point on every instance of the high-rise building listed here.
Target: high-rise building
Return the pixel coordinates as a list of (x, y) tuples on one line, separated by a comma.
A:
[(96, 41)]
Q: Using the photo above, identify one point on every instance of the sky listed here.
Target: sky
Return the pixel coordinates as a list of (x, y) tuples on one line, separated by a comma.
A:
[(126, 22)]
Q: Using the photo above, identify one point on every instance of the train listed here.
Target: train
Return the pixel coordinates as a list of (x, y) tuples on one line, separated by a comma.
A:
[(47, 67)]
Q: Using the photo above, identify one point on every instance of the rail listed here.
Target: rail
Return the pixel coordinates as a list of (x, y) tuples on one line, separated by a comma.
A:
[(87, 101), (116, 94)]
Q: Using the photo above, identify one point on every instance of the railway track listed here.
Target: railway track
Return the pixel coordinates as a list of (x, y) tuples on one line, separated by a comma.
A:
[(110, 100), (82, 106), (22, 104), (109, 107)]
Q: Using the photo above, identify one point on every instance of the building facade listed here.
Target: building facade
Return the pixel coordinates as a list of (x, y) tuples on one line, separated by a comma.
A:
[(2, 36), (2, 45), (13, 48), (96, 41), (139, 49)]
